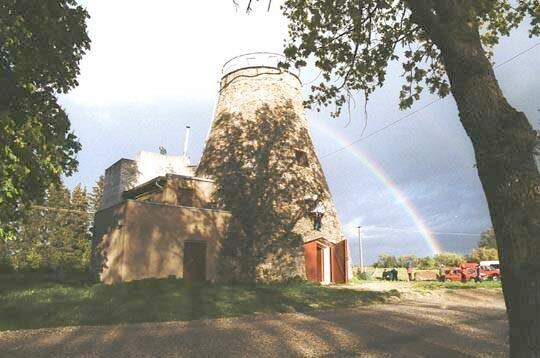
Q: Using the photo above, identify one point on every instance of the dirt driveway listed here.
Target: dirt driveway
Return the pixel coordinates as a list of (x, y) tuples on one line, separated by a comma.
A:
[(460, 323)]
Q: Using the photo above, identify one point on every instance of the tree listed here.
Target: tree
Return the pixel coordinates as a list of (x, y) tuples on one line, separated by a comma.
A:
[(450, 259), (54, 236), (72, 240), (444, 45), (97, 194), (487, 239), (427, 262), (386, 261), (41, 44), (484, 254), (95, 205)]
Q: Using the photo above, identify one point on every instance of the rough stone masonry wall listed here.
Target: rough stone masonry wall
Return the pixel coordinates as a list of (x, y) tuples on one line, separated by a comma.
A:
[(260, 119), (120, 176)]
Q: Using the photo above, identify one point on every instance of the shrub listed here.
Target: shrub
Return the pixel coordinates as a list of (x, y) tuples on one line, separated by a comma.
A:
[(366, 276)]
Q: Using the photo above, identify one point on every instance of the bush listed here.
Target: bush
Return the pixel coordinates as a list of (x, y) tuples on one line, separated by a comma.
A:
[(484, 254), (386, 261), (450, 259), (366, 276)]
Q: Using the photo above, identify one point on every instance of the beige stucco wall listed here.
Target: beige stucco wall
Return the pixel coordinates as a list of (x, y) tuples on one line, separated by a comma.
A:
[(202, 188), (108, 243), (145, 240)]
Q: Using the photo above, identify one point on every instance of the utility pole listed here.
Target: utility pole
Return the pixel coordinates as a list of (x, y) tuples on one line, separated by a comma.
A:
[(360, 249)]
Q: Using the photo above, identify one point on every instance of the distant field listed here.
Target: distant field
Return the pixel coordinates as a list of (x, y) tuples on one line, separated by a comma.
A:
[(431, 285), (32, 302), (376, 274)]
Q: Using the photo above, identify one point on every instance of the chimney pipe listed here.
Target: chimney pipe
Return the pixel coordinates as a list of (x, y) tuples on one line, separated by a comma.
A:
[(186, 142)]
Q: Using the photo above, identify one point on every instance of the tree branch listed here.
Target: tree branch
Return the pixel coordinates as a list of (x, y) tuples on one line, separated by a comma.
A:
[(423, 15)]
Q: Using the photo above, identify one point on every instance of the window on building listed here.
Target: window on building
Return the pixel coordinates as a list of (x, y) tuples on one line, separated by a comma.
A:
[(187, 197), (301, 157)]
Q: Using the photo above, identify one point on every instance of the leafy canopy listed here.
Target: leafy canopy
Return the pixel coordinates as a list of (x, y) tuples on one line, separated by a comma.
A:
[(484, 254), (352, 42), (55, 236), (488, 239), (41, 44)]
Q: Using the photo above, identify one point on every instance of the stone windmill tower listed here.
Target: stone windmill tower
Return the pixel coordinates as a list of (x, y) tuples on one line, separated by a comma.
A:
[(260, 154)]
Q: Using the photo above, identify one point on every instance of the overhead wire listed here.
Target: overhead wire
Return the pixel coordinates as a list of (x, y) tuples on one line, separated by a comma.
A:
[(43, 207), (362, 138), (414, 230)]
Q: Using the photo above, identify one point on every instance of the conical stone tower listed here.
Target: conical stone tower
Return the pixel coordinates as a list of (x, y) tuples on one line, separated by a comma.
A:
[(260, 154)]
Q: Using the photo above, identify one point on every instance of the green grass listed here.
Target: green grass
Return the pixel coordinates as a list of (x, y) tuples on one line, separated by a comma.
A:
[(34, 303), (432, 285)]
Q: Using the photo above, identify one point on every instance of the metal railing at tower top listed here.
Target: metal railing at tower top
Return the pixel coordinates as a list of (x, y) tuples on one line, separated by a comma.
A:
[(256, 59)]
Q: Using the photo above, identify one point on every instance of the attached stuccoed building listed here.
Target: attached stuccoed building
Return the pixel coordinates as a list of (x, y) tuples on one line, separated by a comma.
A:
[(259, 175)]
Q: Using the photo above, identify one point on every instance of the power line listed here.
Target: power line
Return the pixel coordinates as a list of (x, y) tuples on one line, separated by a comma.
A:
[(516, 55), (413, 230), (381, 129), (421, 108), (42, 207)]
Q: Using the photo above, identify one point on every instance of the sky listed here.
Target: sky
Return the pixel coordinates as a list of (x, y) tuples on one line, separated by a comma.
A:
[(154, 68)]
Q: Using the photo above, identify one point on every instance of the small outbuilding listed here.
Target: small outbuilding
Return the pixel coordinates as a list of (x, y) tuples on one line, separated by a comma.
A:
[(165, 227)]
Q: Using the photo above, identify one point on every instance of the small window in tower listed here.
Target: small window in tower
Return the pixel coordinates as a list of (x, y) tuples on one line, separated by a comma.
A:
[(301, 157), (186, 197)]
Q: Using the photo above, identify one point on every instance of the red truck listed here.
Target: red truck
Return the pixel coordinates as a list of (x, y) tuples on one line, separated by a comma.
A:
[(489, 270), (468, 272), (453, 274)]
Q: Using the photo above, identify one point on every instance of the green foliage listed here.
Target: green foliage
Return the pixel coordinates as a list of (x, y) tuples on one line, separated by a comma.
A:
[(386, 261), (365, 276), (450, 259), (487, 239), (352, 42), (34, 303), (41, 44), (484, 254), (97, 194), (54, 236), (428, 262), (433, 285)]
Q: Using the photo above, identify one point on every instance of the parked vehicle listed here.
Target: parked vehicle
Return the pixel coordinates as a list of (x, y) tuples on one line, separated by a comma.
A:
[(494, 264), (453, 274), (469, 274), (460, 274), (491, 269)]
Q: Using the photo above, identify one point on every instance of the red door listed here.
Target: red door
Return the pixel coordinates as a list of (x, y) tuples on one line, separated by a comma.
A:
[(320, 264), (311, 255), (339, 262)]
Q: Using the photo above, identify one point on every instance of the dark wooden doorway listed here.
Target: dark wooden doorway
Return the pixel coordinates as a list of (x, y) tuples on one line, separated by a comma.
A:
[(314, 254), (195, 260), (320, 263)]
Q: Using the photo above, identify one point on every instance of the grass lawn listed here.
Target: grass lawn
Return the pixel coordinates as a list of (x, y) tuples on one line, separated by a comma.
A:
[(29, 302), (431, 285)]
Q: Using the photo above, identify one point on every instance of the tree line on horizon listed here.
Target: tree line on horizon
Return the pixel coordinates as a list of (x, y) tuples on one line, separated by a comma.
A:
[(485, 251), (54, 234)]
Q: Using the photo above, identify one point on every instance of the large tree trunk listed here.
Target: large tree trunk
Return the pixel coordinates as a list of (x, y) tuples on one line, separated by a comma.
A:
[(504, 143)]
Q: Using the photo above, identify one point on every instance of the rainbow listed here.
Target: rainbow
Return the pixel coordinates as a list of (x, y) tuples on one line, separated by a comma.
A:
[(388, 183)]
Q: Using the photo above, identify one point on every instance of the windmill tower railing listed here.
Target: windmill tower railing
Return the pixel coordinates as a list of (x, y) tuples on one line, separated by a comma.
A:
[(257, 60)]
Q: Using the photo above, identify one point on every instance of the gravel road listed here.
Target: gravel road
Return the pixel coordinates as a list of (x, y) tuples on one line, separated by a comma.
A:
[(462, 323)]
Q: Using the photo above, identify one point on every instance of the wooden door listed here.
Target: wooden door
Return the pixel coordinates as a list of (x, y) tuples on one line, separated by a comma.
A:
[(310, 252), (320, 264), (339, 262), (195, 260)]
